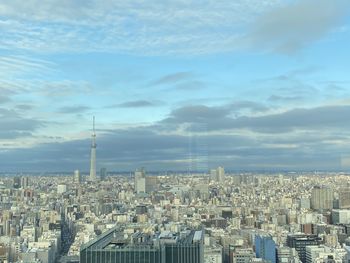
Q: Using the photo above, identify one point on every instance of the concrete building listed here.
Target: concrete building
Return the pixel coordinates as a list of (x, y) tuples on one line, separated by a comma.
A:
[(167, 247), (322, 198), (344, 198)]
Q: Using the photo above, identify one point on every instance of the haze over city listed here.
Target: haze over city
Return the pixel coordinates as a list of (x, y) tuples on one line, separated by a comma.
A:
[(251, 85)]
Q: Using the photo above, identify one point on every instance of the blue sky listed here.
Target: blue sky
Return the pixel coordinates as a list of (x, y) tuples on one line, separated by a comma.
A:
[(175, 85)]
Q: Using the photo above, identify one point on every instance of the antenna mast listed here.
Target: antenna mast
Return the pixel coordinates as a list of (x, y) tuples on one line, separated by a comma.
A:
[(93, 125)]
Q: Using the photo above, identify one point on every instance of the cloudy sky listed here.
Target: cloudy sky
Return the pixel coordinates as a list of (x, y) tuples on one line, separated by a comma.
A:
[(175, 85)]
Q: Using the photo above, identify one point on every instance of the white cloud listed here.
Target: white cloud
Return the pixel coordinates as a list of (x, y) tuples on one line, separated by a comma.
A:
[(145, 27)]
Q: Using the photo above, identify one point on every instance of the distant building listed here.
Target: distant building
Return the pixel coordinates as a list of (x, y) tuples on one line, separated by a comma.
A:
[(322, 198), (217, 174), (61, 188), (77, 176), (16, 182), (140, 181), (265, 248), (151, 184), (143, 183), (166, 247), (103, 173), (24, 181)]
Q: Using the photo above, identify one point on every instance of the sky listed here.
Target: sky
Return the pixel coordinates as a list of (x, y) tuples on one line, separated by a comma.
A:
[(175, 85)]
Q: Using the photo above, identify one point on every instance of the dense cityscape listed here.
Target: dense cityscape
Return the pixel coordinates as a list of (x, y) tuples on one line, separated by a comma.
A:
[(174, 131), (293, 217)]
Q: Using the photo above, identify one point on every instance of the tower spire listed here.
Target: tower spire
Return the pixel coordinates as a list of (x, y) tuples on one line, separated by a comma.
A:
[(93, 152)]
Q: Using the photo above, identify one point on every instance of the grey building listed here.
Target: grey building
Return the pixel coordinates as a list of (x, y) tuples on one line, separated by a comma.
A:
[(167, 247)]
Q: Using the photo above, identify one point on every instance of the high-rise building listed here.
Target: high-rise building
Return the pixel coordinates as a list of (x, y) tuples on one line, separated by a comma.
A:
[(143, 183), (24, 181), (322, 198), (166, 247), (300, 242), (93, 153), (140, 181), (103, 173), (265, 248), (151, 183), (220, 174), (77, 176), (217, 174)]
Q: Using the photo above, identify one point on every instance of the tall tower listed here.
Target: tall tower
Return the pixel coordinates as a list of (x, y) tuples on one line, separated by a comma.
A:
[(93, 153)]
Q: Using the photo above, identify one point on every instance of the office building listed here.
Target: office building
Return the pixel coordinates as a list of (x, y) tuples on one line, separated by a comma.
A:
[(300, 242), (166, 247), (265, 247), (340, 216)]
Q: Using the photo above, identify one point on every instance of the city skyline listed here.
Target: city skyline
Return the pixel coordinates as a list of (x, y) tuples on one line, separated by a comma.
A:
[(247, 85)]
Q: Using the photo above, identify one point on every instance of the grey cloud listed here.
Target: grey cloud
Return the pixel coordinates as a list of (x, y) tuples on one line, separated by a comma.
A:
[(219, 118), (4, 99), (292, 26), (277, 98), (128, 149), (190, 85), (196, 114), (329, 117), (24, 107), (136, 104), (249, 105), (74, 109), (173, 78), (12, 122), (13, 134)]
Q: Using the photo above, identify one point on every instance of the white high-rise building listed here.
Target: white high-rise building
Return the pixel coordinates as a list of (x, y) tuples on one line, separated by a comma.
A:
[(140, 181), (220, 174), (93, 154), (77, 176), (217, 174)]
